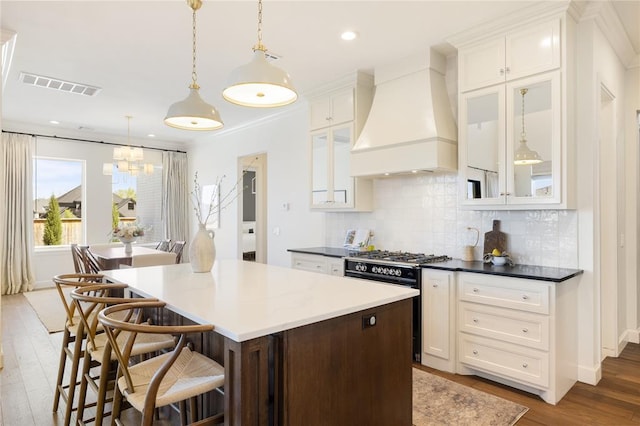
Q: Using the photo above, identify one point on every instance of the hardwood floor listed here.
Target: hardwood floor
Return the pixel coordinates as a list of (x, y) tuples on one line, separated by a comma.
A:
[(31, 356)]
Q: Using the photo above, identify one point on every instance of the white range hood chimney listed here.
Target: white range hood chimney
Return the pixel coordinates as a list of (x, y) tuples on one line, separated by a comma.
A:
[(410, 126)]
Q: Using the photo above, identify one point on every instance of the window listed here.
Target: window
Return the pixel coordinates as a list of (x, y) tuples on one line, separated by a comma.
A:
[(139, 199), (57, 186)]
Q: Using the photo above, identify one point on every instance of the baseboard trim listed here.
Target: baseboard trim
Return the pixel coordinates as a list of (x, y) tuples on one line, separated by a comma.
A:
[(633, 336), (590, 376)]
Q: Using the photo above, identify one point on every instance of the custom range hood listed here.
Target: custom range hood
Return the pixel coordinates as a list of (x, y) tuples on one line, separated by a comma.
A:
[(410, 127)]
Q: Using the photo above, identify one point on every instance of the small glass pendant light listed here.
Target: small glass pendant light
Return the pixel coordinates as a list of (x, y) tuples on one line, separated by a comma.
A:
[(525, 156), (260, 84), (193, 113)]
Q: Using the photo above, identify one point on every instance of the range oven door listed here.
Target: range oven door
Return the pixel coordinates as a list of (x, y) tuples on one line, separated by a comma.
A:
[(413, 282)]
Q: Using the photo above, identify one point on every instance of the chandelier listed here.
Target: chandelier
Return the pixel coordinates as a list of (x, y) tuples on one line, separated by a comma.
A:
[(128, 159)]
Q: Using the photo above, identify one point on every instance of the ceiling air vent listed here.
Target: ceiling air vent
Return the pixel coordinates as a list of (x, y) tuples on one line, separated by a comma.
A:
[(57, 84)]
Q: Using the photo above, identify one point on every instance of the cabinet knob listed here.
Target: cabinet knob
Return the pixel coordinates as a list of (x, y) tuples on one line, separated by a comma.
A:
[(328, 118), (435, 285), (318, 266), (475, 290), (502, 194), (501, 71), (508, 70), (525, 297), (525, 330), (475, 352), (525, 365), (475, 320)]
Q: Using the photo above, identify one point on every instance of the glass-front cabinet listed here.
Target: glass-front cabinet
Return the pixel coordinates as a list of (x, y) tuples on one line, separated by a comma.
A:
[(510, 144), (332, 185)]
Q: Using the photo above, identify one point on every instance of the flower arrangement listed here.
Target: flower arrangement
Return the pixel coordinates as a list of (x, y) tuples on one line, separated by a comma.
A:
[(131, 230)]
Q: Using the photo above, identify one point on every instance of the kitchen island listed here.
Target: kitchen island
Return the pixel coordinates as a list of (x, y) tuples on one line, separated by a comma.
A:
[(299, 347)]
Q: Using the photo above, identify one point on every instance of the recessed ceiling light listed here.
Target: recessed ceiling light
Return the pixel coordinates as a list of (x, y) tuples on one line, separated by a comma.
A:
[(54, 122), (349, 35), (151, 135)]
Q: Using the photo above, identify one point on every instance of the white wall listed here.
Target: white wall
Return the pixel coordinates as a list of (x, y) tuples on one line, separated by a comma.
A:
[(286, 144)]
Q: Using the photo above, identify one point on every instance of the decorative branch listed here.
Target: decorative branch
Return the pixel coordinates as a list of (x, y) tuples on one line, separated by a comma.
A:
[(223, 201)]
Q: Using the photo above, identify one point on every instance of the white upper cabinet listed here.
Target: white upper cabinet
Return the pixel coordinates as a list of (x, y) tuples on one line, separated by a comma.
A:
[(333, 109), (336, 119), (519, 54), (516, 147), (506, 157)]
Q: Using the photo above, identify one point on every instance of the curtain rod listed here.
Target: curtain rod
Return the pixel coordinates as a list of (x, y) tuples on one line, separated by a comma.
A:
[(88, 140)]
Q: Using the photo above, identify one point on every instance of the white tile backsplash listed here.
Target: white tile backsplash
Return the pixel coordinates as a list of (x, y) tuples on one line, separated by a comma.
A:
[(421, 214)]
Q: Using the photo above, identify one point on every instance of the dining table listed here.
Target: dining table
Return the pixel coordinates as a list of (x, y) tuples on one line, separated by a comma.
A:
[(112, 256)]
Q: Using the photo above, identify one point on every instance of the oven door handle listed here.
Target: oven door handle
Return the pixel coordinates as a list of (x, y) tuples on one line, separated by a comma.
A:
[(383, 278)]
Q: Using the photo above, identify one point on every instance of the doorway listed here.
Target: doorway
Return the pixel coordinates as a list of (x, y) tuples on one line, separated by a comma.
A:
[(252, 212)]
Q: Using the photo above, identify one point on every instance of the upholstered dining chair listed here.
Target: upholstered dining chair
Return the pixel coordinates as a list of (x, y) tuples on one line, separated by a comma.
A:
[(172, 377), (89, 301), (72, 338), (178, 248)]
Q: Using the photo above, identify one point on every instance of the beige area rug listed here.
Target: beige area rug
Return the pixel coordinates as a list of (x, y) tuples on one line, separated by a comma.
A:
[(48, 307), (438, 401)]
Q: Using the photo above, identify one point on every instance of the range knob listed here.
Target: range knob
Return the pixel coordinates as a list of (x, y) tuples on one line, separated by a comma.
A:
[(398, 272), (385, 271)]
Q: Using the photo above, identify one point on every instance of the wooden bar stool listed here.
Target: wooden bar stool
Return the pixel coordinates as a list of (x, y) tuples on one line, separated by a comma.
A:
[(89, 300), (172, 377), (72, 335)]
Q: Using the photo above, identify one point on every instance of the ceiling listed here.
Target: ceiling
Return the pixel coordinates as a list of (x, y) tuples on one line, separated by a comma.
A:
[(139, 54)]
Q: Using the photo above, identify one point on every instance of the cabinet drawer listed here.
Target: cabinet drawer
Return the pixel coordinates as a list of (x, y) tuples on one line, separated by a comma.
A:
[(514, 362), (515, 293), (522, 328), (309, 263)]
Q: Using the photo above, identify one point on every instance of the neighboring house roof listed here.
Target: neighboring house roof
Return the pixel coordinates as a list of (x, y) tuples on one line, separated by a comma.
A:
[(72, 196)]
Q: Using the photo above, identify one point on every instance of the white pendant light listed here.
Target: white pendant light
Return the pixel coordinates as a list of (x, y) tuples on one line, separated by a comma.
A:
[(260, 84), (525, 156), (193, 113)]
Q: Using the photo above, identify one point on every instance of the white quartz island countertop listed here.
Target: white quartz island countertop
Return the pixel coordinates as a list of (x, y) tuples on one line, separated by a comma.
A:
[(245, 300)]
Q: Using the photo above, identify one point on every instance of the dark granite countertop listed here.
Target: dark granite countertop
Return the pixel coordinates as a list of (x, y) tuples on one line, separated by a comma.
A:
[(531, 272)]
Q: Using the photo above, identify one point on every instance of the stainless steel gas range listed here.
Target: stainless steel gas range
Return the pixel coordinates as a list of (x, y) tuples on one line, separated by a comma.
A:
[(398, 268)]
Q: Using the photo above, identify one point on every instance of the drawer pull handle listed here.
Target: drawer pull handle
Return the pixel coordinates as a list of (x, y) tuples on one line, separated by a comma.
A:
[(475, 290), (525, 365), (525, 297), (475, 320), (525, 330), (475, 352)]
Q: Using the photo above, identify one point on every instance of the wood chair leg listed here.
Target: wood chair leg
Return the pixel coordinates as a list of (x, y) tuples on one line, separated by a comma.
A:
[(193, 409), (117, 403), (183, 413), (77, 351), (66, 339), (82, 393), (103, 385)]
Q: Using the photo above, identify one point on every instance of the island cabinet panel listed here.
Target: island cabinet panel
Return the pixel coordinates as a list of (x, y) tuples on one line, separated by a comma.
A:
[(345, 371)]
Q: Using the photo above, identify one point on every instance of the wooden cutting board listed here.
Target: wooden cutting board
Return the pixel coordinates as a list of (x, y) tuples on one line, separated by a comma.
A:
[(495, 239)]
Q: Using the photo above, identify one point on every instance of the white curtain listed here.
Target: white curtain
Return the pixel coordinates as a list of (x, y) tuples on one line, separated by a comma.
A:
[(175, 198), (16, 216)]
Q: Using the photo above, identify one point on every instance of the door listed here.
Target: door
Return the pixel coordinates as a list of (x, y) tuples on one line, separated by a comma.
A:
[(252, 210)]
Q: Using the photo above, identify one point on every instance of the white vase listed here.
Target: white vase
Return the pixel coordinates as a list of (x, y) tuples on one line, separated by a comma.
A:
[(127, 244), (202, 250)]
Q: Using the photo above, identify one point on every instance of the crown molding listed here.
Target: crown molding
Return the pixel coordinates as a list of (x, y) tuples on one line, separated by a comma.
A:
[(537, 12), (607, 20)]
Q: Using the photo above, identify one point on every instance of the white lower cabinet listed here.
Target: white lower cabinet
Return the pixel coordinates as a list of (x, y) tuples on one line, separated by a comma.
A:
[(519, 332), (438, 319), (317, 263)]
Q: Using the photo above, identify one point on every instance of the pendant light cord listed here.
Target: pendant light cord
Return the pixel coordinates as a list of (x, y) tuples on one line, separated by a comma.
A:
[(195, 5), (260, 46), (523, 92)]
